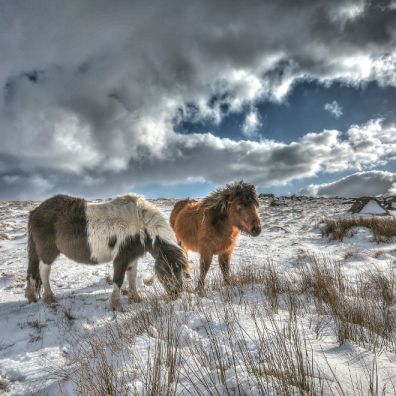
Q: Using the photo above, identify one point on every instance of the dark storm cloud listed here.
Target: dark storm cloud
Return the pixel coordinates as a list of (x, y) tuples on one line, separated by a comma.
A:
[(373, 24), (90, 89)]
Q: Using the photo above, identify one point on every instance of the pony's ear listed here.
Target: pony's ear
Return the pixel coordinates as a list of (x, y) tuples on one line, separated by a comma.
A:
[(228, 197)]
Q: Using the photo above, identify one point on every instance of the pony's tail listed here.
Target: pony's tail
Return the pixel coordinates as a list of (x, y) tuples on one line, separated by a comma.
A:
[(179, 205), (33, 271)]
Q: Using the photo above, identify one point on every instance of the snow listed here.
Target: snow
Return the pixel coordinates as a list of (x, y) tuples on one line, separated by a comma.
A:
[(373, 208), (37, 342)]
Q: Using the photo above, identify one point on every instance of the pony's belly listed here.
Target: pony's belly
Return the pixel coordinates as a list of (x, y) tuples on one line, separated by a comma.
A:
[(103, 257), (76, 249), (81, 260), (84, 251), (190, 245), (215, 246), (199, 248), (100, 251), (221, 250)]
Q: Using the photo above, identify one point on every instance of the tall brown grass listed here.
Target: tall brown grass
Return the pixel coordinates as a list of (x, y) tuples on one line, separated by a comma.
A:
[(149, 351), (382, 228), (362, 309)]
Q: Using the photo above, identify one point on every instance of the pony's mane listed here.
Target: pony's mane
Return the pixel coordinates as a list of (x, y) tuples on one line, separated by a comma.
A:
[(127, 198), (219, 199)]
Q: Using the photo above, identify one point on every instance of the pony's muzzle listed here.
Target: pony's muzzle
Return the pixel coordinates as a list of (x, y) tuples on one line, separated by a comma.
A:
[(256, 230)]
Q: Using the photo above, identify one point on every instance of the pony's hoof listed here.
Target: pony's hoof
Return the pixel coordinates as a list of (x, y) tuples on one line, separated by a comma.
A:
[(49, 299), (134, 298), (117, 306), (31, 297)]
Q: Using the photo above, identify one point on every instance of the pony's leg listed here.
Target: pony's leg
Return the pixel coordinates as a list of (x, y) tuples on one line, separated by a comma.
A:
[(204, 263), (42, 253), (186, 272), (224, 262), (33, 272), (48, 252), (120, 265), (48, 295), (30, 291), (126, 257), (133, 294)]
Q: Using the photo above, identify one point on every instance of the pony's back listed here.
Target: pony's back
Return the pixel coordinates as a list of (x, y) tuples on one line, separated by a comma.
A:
[(179, 205)]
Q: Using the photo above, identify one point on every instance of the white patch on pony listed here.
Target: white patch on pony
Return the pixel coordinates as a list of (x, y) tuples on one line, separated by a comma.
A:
[(45, 270), (157, 225), (106, 220), (124, 216), (132, 273), (116, 295)]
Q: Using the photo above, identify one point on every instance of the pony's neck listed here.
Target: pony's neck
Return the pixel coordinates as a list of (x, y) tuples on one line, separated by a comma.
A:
[(225, 225), (230, 231)]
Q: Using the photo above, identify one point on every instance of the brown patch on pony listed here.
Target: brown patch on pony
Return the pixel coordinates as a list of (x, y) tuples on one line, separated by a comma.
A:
[(57, 225), (211, 226)]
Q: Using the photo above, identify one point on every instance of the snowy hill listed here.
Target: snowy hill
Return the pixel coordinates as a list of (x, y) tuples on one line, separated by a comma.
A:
[(227, 343)]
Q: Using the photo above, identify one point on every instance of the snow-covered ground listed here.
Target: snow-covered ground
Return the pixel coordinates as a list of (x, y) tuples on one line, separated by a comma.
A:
[(37, 342)]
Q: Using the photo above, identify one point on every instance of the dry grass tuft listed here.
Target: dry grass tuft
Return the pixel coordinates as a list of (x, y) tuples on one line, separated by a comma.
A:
[(383, 229), (3, 384), (68, 314), (150, 351), (349, 254), (378, 253), (4, 236), (362, 310)]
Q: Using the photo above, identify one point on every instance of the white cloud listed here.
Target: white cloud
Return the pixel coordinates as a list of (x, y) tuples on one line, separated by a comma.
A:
[(347, 11), (370, 183), (269, 162), (334, 108), (90, 89), (252, 124), (219, 160)]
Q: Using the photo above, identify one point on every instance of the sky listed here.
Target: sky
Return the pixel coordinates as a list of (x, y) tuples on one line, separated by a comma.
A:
[(175, 98)]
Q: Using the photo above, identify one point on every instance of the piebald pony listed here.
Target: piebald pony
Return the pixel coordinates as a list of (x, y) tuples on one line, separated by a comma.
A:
[(121, 230)]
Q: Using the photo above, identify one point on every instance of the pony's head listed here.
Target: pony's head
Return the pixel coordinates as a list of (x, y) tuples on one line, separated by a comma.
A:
[(170, 260), (238, 202)]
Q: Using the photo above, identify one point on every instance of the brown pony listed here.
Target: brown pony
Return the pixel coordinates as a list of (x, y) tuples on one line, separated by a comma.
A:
[(212, 225)]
